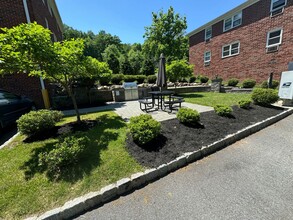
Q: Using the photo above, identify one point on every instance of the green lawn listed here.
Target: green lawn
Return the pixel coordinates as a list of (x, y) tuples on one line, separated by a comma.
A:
[(212, 98), (24, 190)]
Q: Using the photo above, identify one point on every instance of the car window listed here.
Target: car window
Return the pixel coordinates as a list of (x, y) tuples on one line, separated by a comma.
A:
[(8, 96)]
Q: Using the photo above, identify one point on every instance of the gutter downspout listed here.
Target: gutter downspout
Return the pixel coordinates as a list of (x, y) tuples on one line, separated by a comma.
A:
[(44, 90)]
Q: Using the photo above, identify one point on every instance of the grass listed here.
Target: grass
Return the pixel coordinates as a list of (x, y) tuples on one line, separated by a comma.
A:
[(212, 99), (25, 190)]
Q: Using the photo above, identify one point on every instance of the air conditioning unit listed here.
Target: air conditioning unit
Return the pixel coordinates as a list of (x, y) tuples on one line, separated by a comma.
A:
[(272, 49), (277, 12), (207, 63)]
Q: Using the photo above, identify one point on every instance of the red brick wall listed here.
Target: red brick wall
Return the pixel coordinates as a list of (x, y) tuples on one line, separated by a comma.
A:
[(11, 14), (252, 61)]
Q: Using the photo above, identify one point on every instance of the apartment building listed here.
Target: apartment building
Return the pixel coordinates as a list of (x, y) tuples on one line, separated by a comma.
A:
[(45, 13), (250, 41)]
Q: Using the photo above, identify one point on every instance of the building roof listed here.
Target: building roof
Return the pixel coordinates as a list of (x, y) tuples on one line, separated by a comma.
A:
[(224, 16), (55, 10)]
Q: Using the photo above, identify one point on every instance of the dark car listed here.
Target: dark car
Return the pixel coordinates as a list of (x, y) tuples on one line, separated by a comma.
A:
[(12, 107)]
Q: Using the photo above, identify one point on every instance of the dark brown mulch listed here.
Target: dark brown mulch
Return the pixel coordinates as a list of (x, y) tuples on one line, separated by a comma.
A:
[(56, 131), (176, 138)]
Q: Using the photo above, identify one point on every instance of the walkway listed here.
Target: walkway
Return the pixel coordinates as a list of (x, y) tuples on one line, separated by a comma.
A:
[(131, 108), (251, 179)]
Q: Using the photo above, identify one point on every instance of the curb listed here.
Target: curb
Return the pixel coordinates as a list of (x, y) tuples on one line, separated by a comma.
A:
[(108, 193)]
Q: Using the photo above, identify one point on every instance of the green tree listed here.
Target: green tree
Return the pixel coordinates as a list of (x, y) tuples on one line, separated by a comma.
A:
[(166, 35), (135, 57), (148, 67), (125, 67), (111, 55), (28, 48), (178, 69)]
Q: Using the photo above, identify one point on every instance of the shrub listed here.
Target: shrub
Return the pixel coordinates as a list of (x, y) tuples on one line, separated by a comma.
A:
[(244, 104), (152, 78), (69, 150), (248, 83), (233, 82), (105, 80), (223, 110), (117, 79), (36, 122), (192, 79), (144, 128), (140, 78), (265, 97), (188, 116), (265, 84), (203, 79), (130, 78)]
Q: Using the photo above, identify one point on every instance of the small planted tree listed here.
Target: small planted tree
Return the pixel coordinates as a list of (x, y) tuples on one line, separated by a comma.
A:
[(28, 48), (179, 69)]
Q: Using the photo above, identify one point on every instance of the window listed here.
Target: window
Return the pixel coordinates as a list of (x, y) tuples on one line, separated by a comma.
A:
[(207, 58), (274, 38), (231, 49), (233, 22), (208, 33), (277, 5)]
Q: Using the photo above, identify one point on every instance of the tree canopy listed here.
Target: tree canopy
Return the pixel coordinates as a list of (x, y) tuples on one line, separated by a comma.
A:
[(28, 48), (166, 35)]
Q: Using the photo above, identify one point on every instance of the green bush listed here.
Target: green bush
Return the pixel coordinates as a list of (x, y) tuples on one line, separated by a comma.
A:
[(203, 79), (233, 82), (244, 104), (265, 97), (248, 83), (105, 80), (144, 128), (69, 150), (36, 122), (152, 78), (188, 116), (223, 110), (130, 78), (265, 84), (117, 79), (140, 79), (192, 79)]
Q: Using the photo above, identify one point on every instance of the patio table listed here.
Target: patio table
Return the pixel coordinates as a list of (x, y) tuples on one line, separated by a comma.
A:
[(159, 95)]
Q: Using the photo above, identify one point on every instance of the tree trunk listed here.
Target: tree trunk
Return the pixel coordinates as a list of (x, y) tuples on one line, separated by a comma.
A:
[(72, 96)]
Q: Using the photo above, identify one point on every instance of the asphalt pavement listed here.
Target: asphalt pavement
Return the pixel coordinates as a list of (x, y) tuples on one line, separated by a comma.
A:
[(251, 179)]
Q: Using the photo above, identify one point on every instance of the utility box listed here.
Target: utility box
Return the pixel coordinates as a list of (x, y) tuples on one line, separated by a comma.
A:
[(286, 86)]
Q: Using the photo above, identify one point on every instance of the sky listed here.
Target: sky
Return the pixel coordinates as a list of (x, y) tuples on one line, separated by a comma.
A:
[(128, 18)]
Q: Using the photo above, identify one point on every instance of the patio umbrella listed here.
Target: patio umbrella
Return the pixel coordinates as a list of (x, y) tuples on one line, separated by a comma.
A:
[(162, 78)]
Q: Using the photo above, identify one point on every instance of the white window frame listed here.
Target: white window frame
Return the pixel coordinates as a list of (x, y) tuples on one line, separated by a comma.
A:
[(232, 21), (230, 49), (268, 35), (206, 31), (207, 56), (280, 7)]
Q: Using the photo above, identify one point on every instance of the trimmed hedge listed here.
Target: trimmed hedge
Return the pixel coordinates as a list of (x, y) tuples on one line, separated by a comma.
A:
[(188, 116), (264, 97), (36, 122), (223, 110), (233, 82), (244, 104), (203, 79), (152, 78), (144, 128), (248, 83), (265, 84)]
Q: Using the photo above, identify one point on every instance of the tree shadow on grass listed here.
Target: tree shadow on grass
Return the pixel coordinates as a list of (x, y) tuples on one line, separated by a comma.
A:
[(105, 131)]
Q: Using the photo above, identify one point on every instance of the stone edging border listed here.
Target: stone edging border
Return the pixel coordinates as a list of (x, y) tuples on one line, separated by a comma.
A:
[(137, 180)]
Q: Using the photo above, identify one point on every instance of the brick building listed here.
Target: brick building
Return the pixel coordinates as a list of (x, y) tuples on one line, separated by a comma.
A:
[(250, 41), (45, 13)]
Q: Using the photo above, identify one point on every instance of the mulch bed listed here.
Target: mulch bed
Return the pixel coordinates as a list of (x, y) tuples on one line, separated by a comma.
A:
[(176, 138)]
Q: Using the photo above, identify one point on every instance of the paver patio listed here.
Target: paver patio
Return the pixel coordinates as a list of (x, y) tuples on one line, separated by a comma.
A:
[(128, 109)]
